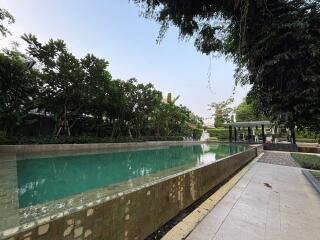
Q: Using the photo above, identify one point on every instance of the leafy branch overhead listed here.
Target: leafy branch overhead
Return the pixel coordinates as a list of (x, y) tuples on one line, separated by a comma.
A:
[(5, 17), (275, 45)]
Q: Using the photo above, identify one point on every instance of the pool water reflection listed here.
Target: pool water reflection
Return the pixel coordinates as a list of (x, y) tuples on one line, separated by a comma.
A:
[(42, 180)]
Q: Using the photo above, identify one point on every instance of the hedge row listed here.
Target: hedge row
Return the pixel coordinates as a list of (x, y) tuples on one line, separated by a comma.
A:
[(223, 134), (197, 133), (306, 135), (220, 133), (307, 140), (80, 139)]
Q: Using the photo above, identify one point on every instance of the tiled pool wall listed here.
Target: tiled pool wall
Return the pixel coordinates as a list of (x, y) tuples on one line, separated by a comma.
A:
[(137, 214)]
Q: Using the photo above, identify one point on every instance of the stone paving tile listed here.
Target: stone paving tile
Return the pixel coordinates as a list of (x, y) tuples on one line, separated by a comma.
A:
[(211, 224), (278, 158), (286, 208)]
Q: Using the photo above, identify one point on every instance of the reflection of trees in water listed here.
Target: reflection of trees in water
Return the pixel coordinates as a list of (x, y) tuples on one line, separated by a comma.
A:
[(69, 175), (224, 150)]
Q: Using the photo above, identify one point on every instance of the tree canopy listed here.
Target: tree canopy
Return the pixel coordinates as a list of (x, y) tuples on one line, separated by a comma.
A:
[(80, 97), (275, 45), (222, 112), (247, 111)]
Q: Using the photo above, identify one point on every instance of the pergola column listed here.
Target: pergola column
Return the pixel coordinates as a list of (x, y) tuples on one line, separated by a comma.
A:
[(263, 135), (230, 133), (235, 130), (293, 135)]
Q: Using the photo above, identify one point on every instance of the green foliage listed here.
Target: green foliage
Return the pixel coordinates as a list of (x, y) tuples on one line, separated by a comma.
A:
[(65, 82), (307, 140), (246, 112), (285, 64), (306, 134), (275, 45), (316, 175), (79, 96), (223, 133), (222, 112), (169, 119), (5, 16), (307, 160), (213, 139), (197, 133), (219, 133), (80, 139), (17, 91)]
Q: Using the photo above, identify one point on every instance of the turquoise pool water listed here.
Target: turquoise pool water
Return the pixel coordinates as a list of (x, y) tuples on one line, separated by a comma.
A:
[(42, 180)]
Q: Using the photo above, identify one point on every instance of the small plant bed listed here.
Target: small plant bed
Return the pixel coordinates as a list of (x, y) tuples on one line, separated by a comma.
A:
[(316, 174), (307, 160)]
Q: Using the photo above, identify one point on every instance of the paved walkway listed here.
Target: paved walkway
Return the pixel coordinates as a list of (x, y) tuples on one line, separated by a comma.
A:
[(271, 202), (278, 158)]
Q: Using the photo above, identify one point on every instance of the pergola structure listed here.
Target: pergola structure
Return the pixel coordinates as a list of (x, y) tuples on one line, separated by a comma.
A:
[(235, 126)]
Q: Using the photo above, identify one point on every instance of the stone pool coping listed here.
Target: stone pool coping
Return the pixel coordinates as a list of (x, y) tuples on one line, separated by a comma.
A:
[(40, 148), (99, 200), (40, 213), (314, 182), (189, 223)]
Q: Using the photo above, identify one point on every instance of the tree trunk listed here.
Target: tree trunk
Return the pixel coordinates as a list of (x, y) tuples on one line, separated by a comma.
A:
[(129, 132), (114, 128), (5, 129), (65, 123)]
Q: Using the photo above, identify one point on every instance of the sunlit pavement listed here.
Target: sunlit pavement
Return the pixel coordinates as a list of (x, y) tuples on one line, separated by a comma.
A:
[(269, 202)]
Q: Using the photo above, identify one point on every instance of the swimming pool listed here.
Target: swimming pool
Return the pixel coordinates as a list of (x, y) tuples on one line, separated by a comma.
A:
[(41, 187), (42, 180)]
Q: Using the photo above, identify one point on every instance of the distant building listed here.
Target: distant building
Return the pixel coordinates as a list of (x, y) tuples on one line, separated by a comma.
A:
[(208, 122), (164, 100)]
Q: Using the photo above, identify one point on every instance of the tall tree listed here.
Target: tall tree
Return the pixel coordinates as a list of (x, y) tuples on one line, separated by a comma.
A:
[(97, 81), (63, 89), (248, 111), (18, 91), (146, 99), (275, 45), (222, 112), (80, 95)]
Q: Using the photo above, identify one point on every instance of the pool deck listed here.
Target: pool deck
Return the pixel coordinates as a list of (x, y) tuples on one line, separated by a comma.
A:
[(270, 202)]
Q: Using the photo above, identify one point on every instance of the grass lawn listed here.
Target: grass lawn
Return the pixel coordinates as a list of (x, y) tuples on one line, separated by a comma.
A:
[(307, 160), (316, 174)]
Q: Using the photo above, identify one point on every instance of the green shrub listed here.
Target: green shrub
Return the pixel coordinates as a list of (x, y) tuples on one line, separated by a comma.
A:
[(219, 133), (197, 133), (306, 134), (306, 140), (316, 174), (213, 139), (162, 138), (307, 160)]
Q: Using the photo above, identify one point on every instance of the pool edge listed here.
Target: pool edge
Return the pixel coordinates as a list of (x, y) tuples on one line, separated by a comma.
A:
[(196, 181)]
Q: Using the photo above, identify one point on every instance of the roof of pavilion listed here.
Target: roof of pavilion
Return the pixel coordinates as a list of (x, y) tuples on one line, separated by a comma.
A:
[(248, 124)]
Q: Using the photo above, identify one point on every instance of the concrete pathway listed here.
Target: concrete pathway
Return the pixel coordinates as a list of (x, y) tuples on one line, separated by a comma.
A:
[(270, 202)]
